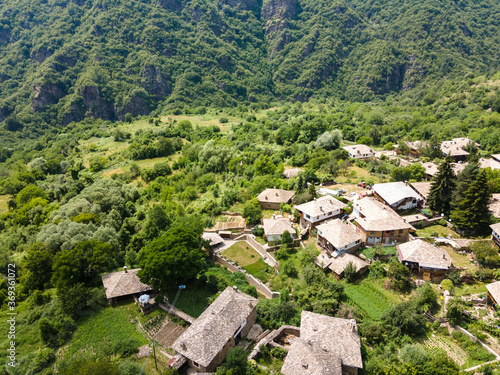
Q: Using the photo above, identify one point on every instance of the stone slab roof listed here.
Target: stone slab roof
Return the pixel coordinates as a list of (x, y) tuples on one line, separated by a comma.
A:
[(416, 145), (275, 196), (339, 263), (425, 254), (413, 219), (431, 168), (278, 225), (378, 217), (325, 345), (206, 337), (289, 173), (495, 205), (359, 150), (338, 233), (320, 206), (214, 238), (495, 228), (422, 188), (394, 192), (494, 289), (455, 147), (489, 163), (123, 283), (323, 260)]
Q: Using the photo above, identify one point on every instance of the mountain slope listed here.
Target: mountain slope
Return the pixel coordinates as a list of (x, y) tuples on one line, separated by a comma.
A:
[(62, 60)]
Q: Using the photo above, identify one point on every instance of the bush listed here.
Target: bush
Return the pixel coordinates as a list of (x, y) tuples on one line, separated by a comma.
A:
[(223, 120)]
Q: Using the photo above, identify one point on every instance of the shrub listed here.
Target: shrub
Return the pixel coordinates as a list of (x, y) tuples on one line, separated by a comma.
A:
[(223, 120)]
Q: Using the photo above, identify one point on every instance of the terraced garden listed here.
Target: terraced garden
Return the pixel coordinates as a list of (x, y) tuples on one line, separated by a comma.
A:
[(368, 299)]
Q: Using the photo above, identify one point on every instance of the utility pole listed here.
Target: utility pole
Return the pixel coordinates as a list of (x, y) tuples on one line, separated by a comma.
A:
[(154, 354)]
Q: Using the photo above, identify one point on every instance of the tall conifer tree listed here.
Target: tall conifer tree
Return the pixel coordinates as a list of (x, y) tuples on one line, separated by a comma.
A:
[(442, 187)]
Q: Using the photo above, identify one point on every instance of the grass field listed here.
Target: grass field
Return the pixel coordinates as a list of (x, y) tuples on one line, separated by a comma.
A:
[(368, 298), (439, 229), (242, 253), (256, 267), (3, 203), (193, 300), (369, 252)]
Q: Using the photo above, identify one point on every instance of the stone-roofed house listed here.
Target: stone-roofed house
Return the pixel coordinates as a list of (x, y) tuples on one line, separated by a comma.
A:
[(335, 235), (214, 240), (318, 210), (359, 151), (206, 342), (276, 226), (489, 163), (339, 263), (494, 293), (123, 284), (496, 157), (495, 205), (397, 195), (431, 168), (292, 172), (271, 199), (326, 346), (427, 260), (415, 147), (495, 234), (422, 188), (378, 223), (455, 148)]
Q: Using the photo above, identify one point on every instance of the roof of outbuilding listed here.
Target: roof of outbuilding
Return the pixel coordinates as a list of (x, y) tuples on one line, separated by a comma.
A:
[(359, 150), (292, 172), (340, 262), (206, 337), (495, 205), (425, 254), (321, 206), (123, 283), (275, 196), (495, 228), (325, 345), (422, 188), (278, 225), (494, 289), (338, 233), (394, 192)]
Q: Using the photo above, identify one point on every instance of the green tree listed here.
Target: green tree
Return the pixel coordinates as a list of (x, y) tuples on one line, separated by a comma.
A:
[(38, 268), (264, 166), (403, 319), (252, 211), (399, 275), (286, 238), (28, 193), (454, 311), (464, 180), (235, 364), (442, 189), (350, 272), (472, 212), (173, 258)]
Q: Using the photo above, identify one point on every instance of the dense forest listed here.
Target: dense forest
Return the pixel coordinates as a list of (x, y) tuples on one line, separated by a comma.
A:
[(63, 61)]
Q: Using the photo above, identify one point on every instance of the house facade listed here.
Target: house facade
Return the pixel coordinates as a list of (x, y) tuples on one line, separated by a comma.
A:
[(206, 342), (359, 151), (271, 199), (378, 223), (337, 236), (397, 195), (318, 210), (426, 260), (276, 226)]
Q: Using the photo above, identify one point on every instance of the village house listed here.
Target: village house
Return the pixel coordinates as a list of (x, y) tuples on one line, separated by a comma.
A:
[(414, 148), (359, 151), (271, 199), (431, 168), (494, 206), (338, 262), (318, 210), (214, 240), (123, 285), (489, 163), (494, 293), (326, 346), (423, 189), (455, 148), (428, 261), (292, 172), (220, 327), (397, 195), (496, 157), (495, 234), (276, 226), (335, 235), (378, 223)]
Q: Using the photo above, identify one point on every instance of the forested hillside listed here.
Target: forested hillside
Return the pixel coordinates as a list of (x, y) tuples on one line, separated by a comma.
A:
[(62, 61)]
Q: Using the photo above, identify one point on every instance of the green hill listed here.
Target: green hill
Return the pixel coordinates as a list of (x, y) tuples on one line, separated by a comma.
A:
[(63, 61)]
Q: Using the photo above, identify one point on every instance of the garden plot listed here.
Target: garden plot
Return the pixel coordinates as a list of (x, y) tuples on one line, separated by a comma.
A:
[(227, 222), (168, 333), (436, 344)]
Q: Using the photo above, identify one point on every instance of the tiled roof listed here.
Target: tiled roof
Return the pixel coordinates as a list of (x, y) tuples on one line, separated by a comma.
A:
[(495, 205), (340, 262), (494, 289), (425, 254), (275, 196), (323, 260), (289, 173), (338, 233), (495, 228), (206, 337), (416, 145), (123, 283), (431, 168), (324, 346), (321, 206), (214, 238), (455, 147), (489, 163), (359, 150), (394, 192), (422, 188), (378, 216), (278, 226)]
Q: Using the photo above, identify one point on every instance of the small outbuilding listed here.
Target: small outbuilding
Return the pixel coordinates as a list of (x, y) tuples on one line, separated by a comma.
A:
[(123, 285), (359, 151), (494, 293), (276, 226), (271, 199)]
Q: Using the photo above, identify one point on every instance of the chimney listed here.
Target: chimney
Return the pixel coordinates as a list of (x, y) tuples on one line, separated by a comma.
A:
[(183, 345), (125, 269), (235, 288)]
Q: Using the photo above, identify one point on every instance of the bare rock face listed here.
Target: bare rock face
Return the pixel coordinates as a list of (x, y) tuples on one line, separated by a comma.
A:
[(174, 5), (251, 5), (138, 104), (40, 55), (45, 95), (97, 106), (280, 9), (155, 82), (413, 73)]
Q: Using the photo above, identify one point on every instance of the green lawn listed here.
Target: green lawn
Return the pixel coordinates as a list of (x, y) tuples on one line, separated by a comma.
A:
[(436, 229), (368, 298), (369, 252), (193, 300), (241, 253)]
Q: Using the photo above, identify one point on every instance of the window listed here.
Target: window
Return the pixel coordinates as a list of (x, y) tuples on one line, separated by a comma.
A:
[(330, 213), (401, 231), (307, 216), (196, 364)]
